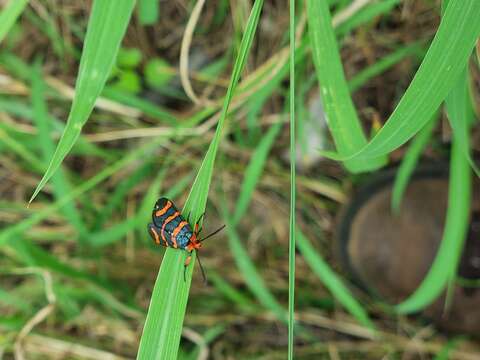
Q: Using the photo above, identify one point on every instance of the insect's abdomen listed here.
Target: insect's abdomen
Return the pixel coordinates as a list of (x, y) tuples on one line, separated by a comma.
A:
[(173, 230)]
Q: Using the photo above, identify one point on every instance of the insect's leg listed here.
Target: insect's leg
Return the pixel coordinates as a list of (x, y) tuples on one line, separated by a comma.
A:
[(200, 218), (187, 262), (201, 268), (195, 229)]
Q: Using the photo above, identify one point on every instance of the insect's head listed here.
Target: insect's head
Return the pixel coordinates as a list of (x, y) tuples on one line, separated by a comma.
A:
[(194, 243)]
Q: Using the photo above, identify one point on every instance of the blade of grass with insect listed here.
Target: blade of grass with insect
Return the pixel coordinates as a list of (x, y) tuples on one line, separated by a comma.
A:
[(163, 326), (9, 14), (332, 281), (409, 162), (293, 158), (42, 122), (456, 225), (342, 118), (438, 73), (148, 11), (107, 25), (382, 65)]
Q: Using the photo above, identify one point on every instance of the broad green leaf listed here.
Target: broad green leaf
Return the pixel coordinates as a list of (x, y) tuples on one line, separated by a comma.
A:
[(9, 14), (106, 27), (342, 118), (163, 326)]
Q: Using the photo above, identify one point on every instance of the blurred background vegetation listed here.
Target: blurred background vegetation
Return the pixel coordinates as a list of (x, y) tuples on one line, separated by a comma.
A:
[(78, 267)]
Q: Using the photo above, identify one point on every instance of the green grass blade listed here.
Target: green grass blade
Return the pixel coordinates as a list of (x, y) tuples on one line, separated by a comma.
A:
[(42, 121), (197, 199), (147, 107), (456, 226), (246, 266), (461, 114), (107, 25), (163, 326), (448, 348), (10, 12), (254, 281), (34, 163), (366, 14), (293, 157), (332, 281), (253, 171), (116, 199), (382, 65), (10, 232), (21, 109), (438, 73), (409, 162), (231, 293), (343, 120)]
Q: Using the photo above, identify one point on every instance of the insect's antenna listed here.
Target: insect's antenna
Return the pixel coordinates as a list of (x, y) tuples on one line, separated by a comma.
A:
[(213, 233), (201, 268)]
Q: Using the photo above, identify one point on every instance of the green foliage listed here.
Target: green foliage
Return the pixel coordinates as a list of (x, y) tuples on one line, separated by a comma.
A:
[(42, 121), (448, 256), (102, 197), (148, 11), (129, 58), (158, 73), (9, 14), (107, 25), (438, 73)]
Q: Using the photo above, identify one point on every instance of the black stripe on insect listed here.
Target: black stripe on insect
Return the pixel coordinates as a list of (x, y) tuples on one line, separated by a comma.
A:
[(170, 229)]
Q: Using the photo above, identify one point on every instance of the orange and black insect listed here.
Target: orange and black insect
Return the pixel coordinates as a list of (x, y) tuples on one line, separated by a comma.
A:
[(169, 228)]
